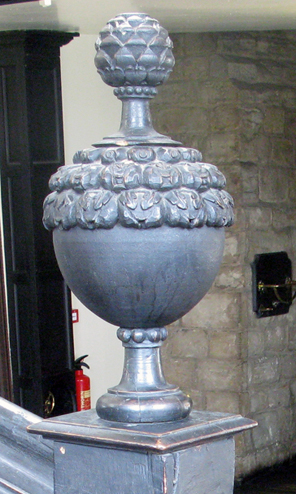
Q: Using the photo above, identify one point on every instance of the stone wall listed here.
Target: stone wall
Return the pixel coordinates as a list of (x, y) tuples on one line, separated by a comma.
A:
[(233, 96)]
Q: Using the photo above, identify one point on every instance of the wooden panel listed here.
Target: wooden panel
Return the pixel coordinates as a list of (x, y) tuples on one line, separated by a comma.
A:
[(43, 115), (10, 110), (204, 469), (31, 140)]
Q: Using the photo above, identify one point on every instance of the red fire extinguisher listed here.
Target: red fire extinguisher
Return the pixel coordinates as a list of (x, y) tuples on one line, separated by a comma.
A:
[(82, 385)]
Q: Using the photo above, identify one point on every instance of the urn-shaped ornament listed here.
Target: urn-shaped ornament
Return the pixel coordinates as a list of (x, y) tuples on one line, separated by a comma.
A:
[(138, 223)]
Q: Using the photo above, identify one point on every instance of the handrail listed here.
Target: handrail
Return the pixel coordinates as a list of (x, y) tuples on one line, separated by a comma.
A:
[(26, 461)]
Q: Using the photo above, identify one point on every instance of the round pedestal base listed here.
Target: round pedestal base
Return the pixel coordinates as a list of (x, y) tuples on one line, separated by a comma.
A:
[(162, 406), (143, 395)]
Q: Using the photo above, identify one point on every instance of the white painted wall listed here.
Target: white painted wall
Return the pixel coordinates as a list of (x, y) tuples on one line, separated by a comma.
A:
[(91, 111)]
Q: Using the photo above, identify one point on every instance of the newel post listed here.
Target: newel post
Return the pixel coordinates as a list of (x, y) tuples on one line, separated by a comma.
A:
[(138, 229)]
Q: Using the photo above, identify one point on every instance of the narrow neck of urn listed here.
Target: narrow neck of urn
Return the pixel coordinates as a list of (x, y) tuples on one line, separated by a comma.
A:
[(136, 117), (142, 370)]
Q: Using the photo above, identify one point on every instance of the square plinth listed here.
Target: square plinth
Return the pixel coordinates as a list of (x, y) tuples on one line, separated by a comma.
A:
[(190, 456), (87, 428)]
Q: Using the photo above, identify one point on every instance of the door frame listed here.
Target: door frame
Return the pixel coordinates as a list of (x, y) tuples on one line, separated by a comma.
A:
[(5, 363)]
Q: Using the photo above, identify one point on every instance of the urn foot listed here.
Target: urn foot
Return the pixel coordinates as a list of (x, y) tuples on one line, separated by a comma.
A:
[(163, 406), (143, 395)]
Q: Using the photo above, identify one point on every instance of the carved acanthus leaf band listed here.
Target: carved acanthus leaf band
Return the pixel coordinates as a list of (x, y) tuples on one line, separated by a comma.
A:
[(140, 187)]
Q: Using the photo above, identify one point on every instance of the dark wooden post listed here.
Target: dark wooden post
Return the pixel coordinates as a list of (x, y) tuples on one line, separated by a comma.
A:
[(190, 456)]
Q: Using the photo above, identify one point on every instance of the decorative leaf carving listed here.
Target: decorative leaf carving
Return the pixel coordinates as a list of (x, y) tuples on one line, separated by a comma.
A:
[(60, 210), (97, 209), (184, 209), (138, 186), (141, 209)]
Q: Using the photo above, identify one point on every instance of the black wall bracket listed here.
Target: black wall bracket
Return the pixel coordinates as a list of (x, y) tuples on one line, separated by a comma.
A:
[(272, 284)]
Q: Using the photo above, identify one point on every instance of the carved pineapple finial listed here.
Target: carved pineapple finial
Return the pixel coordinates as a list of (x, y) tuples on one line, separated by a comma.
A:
[(134, 50)]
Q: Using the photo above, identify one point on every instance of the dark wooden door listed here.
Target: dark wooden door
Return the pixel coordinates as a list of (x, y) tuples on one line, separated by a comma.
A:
[(31, 147)]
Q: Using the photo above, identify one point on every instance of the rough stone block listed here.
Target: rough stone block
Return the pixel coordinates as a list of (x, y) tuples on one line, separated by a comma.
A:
[(293, 389), (267, 431), (223, 401), (243, 72), (282, 154), (251, 122), (292, 185), (234, 187), (288, 366), (278, 48), (259, 218), (258, 401), (292, 448), (231, 248), (290, 123), (265, 98), (283, 218), (230, 277), (263, 370), (279, 397), (173, 93), (285, 424), (256, 151), (267, 456), (218, 67), (194, 67), (292, 338), (276, 338), (224, 345), (249, 178), (288, 97), (181, 372), (243, 443), (215, 375), (224, 118), (255, 343), (178, 41), (245, 398), (274, 120), (262, 47), (237, 46), (248, 98), (244, 465), (291, 316), (215, 311), (177, 119), (188, 343), (249, 198), (265, 73), (198, 399), (199, 44), (265, 241), (247, 273), (222, 148), (217, 92), (175, 324)]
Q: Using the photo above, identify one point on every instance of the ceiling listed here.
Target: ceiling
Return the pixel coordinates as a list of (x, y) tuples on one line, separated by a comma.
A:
[(89, 16)]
